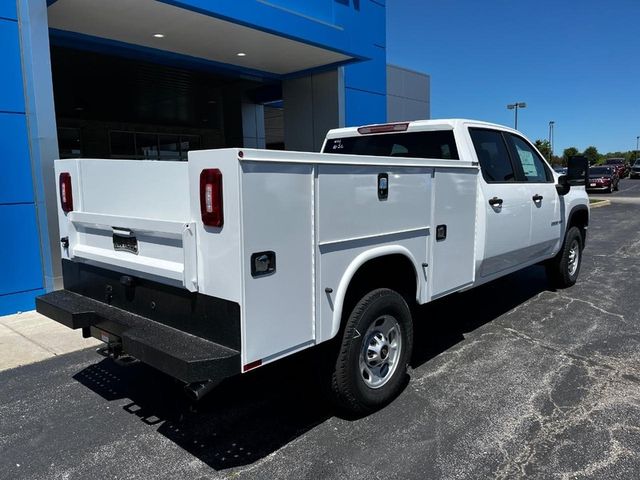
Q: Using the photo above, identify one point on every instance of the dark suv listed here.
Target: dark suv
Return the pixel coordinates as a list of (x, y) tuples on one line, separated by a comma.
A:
[(621, 166), (635, 170)]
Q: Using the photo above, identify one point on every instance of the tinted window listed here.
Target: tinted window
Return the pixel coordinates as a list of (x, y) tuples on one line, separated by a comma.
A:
[(533, 167), (600, 171), (438, 144), (69, 143), (492, 155), (123, 144)]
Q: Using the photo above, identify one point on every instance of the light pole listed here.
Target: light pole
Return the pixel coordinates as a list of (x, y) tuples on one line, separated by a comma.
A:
[(551, 125), (515, 106), (635, 156)]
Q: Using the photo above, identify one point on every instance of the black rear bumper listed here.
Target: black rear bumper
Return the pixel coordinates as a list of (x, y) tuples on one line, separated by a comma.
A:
[(185, 356)]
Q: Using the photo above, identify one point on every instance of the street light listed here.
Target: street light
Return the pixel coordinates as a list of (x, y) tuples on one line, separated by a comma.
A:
[(551, 125), (516, 106), (635, 157)]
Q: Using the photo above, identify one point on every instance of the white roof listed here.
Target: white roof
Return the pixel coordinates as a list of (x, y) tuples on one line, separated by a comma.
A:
[(420, 126)]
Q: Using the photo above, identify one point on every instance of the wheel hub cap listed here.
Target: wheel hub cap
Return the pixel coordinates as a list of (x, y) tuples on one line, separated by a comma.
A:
[(574, 257), (381, 349)]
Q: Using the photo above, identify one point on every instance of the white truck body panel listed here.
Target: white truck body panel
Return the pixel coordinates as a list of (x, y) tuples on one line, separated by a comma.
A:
[(321, 215)]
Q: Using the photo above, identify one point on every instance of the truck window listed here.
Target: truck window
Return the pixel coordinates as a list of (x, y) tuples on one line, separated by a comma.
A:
[(533, 167), (493, 155), (436, 144)]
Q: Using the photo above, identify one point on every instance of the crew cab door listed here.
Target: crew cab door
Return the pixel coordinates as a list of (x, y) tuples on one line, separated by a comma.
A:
[(545, 208), (507, 204)]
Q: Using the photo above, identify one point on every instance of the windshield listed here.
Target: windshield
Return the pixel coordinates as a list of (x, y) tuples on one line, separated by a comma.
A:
[(599, 171), (436, 144)]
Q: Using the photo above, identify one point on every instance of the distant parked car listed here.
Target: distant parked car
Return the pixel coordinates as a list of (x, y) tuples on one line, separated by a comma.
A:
[(635, 170), (603, 178), (560, 169), (620, 164)]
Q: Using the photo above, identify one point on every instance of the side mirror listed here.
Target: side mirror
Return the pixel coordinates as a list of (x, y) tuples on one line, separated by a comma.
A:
[(577, 171), (563, 186)]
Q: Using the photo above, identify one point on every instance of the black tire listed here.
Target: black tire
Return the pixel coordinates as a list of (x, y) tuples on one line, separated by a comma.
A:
[(350, 390), (561, 271), (617, 187)]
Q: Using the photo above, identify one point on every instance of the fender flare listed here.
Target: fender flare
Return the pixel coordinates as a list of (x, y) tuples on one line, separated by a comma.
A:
[(354, 266), (576, 209)]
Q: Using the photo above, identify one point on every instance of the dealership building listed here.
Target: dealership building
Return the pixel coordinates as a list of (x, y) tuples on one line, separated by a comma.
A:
[(153, 79)]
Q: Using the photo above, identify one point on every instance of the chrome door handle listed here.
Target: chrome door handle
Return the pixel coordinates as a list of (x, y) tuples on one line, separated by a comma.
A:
[(495, 201), (537, 198)]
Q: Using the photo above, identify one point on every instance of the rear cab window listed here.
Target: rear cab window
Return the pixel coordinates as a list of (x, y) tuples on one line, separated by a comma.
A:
[(438, 144)]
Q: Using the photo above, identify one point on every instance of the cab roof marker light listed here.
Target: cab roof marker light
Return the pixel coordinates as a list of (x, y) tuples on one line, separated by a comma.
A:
[(387, 127)]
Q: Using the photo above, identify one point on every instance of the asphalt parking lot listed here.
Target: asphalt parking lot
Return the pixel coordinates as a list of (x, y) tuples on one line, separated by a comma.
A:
[(509, 380)]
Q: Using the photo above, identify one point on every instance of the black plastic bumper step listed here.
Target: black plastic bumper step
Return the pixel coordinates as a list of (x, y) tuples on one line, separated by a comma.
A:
[(179, 354)]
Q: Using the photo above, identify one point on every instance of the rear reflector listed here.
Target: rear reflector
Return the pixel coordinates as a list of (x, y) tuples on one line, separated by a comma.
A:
[(252, 365), (211, 197), (66, 194), (389, 127)]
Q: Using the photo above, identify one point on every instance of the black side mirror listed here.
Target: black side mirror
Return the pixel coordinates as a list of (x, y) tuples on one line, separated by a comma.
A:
[(563, 186), (577, 171)]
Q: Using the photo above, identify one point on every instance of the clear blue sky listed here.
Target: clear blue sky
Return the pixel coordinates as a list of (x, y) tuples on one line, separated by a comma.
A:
[(576, 62)]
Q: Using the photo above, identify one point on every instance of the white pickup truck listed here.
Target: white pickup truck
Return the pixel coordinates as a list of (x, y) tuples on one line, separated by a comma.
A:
[(237, 258)]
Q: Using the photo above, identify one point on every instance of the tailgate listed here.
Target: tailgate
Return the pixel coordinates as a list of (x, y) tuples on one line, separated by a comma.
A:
[(132, 216)]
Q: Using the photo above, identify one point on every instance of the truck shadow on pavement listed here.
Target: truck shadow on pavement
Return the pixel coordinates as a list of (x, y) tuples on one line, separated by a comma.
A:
[(441, 324), (251, 416)]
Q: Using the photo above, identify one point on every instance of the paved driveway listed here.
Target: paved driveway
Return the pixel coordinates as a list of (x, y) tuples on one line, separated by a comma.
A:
[(629, 192), (509, 380)]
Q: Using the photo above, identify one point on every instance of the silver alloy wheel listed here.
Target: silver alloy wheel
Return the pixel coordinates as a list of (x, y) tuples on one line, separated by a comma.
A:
[(381, 351), (574, 257)]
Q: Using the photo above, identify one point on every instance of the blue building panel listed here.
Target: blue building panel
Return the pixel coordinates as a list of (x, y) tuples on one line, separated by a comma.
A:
[(370, 75), (365, 20), (302, 21), (20, 262), (364, 107), (16, 184), (8, 9), (11, 91), (19, 302)]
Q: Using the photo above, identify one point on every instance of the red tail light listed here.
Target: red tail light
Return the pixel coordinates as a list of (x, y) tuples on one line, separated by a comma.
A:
[(66, 194), (387, 127), (211, 197)]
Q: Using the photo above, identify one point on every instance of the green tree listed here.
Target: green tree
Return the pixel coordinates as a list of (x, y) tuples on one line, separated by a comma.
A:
[(592, 154), (544, 147), (568, 153)]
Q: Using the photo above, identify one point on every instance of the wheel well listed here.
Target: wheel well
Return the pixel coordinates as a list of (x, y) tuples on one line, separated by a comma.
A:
[(394, 271), (580, 219)]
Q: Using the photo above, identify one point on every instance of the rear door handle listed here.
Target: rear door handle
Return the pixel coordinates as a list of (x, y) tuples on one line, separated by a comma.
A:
[(495, 201), (537, 198)]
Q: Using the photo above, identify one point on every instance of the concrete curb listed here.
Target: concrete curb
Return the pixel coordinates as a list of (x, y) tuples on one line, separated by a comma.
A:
[(599, 203)]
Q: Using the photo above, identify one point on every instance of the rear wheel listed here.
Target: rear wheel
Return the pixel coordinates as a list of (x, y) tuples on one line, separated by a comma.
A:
[(374, 354), (564, 268)]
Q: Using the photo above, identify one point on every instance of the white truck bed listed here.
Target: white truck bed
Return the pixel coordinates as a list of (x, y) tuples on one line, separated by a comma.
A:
[(319, 213)]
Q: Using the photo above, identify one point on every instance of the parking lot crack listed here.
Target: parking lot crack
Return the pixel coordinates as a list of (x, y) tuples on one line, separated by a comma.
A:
[(592, 305)]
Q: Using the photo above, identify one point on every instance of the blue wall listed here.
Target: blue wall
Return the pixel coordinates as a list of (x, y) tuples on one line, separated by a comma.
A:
[(20, 259)]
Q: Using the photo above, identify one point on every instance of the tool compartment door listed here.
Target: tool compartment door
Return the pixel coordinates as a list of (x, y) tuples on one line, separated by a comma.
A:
[(277, 216)]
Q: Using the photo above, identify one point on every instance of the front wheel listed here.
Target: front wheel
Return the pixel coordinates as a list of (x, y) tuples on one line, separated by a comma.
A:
[(374, 354), (563, 269)]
